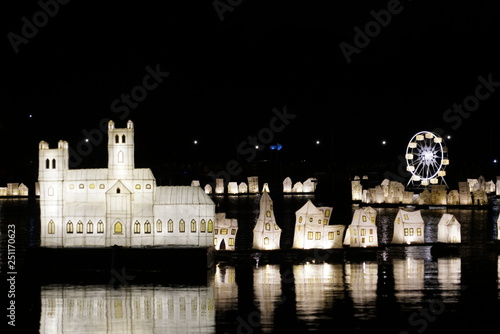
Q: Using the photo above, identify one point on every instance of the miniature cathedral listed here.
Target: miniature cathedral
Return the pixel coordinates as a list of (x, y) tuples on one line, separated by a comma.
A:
[(119, 205)]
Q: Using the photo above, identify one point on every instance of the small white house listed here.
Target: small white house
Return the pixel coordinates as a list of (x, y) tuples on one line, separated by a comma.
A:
[(312, 228), (449, 229), (225, 231), (408, 227), (266, 233), (287, 185), (362, 232)]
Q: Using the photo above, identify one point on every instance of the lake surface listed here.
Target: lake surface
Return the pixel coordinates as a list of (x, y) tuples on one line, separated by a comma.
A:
[(401, 290)]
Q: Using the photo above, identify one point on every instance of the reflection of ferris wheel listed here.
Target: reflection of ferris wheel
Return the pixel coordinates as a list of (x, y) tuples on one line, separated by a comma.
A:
[(426, 158)]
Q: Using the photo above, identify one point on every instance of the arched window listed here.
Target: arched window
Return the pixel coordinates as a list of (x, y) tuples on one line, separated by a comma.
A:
[(210, 226), (100, 227), (170, 226), (69, 227), (268, 227), (137, 227), (47, 164), (123, 139), (268, 213), (147, 227), (53, 163), (118, 228), (79, 227), (117, 139), (193, 225), (51, 191), (118, 190), (120, 157), (51, 228), (90, 227), (182, 226), (158, 226), (266, 241), (203, 226)]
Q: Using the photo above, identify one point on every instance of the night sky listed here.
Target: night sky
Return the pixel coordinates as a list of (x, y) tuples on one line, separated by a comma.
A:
[(231, 63)]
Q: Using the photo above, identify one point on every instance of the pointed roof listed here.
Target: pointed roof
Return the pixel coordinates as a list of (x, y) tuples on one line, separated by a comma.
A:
[(118, 184), (308, 208)]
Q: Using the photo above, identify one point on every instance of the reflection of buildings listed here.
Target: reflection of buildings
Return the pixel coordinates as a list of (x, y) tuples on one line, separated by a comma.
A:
[(119, 205), (266, 233), (267, 290), (316, 288), (449, 275), (225, 288), (408, 279), (361, 278), (312, 228), (131, 309)]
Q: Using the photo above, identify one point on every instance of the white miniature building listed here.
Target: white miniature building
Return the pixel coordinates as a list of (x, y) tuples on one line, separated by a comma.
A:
[(287, 185), (464, 193), (480, 197), (225, 231), (356, 190), (362, 232), (312, 229), (449, 229), (265, 188), (297, 187), (232, 188), (309, 185), (242, 188), (119, 205), (219, 186), (208, 189), (253, 184), (453, 197), (408, 227), (266, 233)]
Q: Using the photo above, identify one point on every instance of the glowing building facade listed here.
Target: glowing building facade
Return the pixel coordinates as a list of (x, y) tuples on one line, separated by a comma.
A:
[(119, 205)]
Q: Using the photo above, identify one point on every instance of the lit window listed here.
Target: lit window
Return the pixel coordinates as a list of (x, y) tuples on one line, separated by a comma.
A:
[(233, 231), (371, 231), (223, 231), (90, 227), (118, 228), (170, 226), (319, 221), (137, 186), (331, 235), (51, 228), (231, 241), (268, 227), (419, 231), (373, 220), (203, 225), (338, 232), (158, 226), (362, 240), (137, 227), (92, 186), (310, 235), (182, 226), (327, 213), (411, 231), (81, 186), (370, 239), (276, 227), (268, 213), (101, 186), (69, 227), (318, 235), (406, 217), (299, 228), (325, 222), (406, 232), (216, 231), (266, 241), (148, 186), (147, 227), (311, 219), (100, 227), (79, 227), (300, 219), (363, 232), (210, 226), (215, 241), (364, 218), (193, 225)]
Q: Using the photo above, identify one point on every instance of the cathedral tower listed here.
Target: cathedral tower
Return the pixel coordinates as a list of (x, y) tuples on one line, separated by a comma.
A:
[(121, 151)]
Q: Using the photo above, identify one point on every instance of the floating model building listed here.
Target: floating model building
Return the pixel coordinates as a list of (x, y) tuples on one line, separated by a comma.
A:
[(119, 205), (266, 233), (449, 229), (408, 227), (362, 232), (313, 229)]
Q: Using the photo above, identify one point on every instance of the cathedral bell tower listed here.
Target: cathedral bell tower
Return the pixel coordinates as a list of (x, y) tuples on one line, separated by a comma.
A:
[(121, 151)]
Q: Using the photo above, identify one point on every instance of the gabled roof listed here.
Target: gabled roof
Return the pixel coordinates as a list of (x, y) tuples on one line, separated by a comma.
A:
[(118, 184), (309, 209), (188, 195)]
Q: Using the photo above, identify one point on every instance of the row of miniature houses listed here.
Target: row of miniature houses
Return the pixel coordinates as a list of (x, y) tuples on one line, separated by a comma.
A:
[(14, 189), (233, 188), (470, 192)]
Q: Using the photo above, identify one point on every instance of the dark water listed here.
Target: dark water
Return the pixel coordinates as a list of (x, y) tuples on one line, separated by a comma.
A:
[(404, 289)]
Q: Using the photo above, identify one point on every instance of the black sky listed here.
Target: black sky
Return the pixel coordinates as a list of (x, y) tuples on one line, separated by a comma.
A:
[(227, 76)]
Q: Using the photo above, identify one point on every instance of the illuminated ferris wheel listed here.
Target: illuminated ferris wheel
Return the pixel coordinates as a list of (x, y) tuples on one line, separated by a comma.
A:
[(426, 158)]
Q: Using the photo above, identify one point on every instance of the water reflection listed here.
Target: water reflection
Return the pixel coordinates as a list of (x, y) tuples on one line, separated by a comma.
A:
[(267, 290), (361, 280), (129, 309), (408, 280)]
